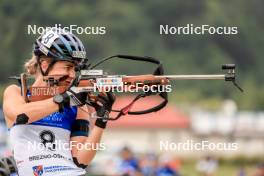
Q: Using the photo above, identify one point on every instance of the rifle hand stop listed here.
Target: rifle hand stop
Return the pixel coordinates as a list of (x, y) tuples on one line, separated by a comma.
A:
[(231, 74)]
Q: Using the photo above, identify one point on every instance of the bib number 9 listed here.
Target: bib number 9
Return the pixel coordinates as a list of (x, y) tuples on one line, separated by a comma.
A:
[(47, 138)]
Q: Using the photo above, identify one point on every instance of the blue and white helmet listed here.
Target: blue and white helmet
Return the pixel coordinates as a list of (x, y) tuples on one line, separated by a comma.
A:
[(60, 45)]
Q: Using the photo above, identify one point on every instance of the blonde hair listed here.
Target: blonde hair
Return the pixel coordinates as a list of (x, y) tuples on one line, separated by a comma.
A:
[(31, 65)]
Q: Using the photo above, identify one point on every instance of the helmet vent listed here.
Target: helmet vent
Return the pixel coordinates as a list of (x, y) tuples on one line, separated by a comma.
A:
[(74, 39), (73, 48), (66, 37)]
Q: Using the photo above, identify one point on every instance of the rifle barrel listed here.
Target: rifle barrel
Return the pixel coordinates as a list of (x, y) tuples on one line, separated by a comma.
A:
[(188, 77)]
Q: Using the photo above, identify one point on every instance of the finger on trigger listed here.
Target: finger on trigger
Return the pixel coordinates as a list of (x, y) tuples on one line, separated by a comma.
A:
[(100, 101)]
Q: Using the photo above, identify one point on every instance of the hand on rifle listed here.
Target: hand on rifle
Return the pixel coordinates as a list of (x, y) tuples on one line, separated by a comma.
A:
[(70, 98), (103, 106)]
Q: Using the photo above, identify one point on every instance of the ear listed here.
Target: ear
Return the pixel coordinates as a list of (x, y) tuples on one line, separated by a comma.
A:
[(44, 63)]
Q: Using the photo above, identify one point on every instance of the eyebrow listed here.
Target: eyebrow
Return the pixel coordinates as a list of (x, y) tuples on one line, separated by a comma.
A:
[(69, 64)]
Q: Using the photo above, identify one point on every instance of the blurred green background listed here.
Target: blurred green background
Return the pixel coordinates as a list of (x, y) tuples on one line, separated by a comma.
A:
[(132, 27)]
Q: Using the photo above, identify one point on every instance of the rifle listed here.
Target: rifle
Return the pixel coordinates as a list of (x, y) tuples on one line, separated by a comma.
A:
[(90, 80)]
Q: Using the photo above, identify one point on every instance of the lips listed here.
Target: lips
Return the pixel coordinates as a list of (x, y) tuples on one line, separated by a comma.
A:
[(68, 82), (65, 80)]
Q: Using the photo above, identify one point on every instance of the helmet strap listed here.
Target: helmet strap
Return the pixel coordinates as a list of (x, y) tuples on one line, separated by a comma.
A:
[(45, 73)]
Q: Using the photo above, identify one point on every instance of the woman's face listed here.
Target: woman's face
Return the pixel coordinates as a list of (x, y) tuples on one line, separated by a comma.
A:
[(63, 68)]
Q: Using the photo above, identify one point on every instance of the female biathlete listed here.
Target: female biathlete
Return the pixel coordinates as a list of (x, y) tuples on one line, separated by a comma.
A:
[(56, 121)]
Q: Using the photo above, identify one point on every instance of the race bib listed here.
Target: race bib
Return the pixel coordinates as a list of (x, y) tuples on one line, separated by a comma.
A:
[(49, 38)]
